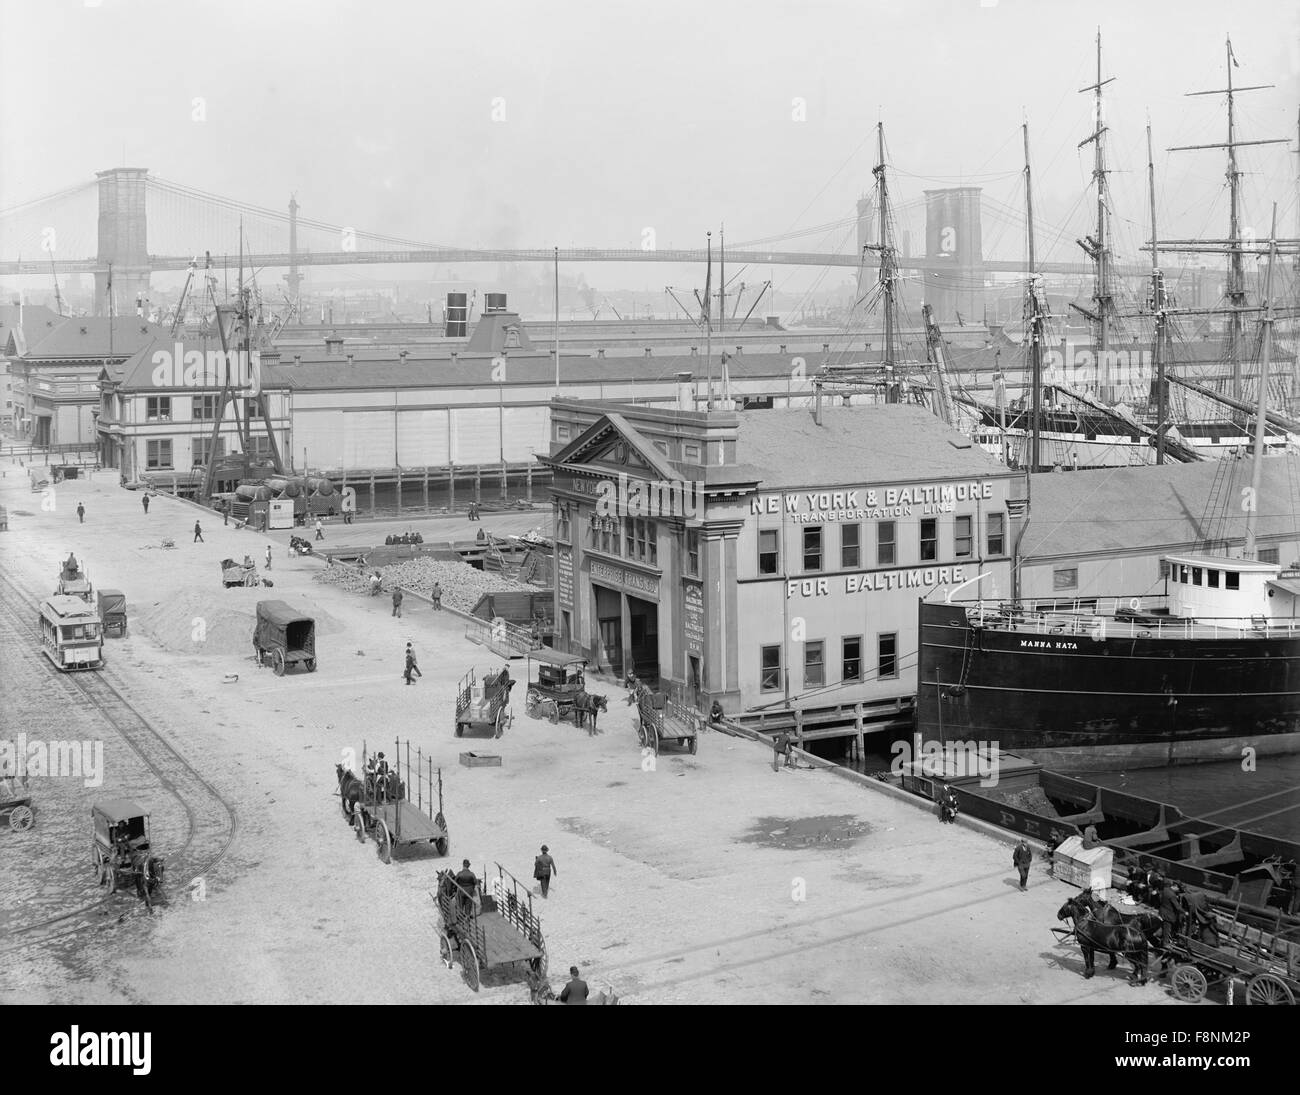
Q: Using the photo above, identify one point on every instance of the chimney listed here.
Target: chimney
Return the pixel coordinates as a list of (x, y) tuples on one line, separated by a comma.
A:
[(685, 392), (648, 351), (350, 361), (402, 355), (781, 349), (826, 347), (601, 352), (297, 359), (695, 351), (454, 357), (457, 315)]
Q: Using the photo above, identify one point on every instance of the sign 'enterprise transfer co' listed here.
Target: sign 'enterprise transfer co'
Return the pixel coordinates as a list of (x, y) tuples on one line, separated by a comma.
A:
[(867, 505)]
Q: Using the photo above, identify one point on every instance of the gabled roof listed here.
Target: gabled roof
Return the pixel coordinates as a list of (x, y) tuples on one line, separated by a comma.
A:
[(22, 326), (136, 373), (1156, 507), (875, 443), (88, 337)]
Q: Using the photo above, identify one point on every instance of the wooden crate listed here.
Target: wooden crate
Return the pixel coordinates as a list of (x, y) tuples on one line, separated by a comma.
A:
[(481, 760)]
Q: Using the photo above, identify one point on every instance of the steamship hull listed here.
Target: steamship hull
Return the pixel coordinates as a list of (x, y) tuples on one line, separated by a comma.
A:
[(1074, 702)]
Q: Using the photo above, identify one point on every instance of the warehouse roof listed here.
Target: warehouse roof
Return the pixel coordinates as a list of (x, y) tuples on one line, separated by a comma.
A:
[(88, 337), (866, 444), (1156, 507)]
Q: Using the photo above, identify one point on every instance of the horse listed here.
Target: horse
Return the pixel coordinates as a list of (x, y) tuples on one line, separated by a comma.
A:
[(350, 791), (1095, 934), (150, 877), (588, 703)]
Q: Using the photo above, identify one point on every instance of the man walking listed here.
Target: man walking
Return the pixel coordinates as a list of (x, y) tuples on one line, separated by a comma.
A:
[(268, 556), (320, 529), (781, 748), (411, 667), (397, 602), (543, 868), (437, 595), (225, 511), (144, 501), (198, 534), (575, 992), (1022, 859), (81, 513)]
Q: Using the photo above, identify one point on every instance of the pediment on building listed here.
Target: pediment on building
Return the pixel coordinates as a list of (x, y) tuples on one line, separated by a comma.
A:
[(613, 443)]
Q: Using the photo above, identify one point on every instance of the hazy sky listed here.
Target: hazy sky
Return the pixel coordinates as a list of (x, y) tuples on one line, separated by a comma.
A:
[(584, 123)]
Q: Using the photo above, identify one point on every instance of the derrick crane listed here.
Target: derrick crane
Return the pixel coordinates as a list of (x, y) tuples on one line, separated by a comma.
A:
[(180, 304), (938, 366)]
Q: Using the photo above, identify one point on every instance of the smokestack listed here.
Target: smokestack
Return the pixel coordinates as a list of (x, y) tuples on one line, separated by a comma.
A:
[(457, 315)]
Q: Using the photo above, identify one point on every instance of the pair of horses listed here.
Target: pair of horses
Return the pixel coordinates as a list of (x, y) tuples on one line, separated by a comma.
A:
[(1101, 927)]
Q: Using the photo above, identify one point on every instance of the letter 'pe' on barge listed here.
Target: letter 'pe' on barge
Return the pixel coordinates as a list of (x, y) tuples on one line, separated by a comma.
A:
[(1198, 674)]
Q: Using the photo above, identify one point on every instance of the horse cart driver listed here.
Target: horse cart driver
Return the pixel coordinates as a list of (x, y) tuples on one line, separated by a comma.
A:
[(70, 566), (121, 847)]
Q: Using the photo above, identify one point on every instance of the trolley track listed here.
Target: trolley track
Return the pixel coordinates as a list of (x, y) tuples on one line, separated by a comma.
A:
[(211, 821)]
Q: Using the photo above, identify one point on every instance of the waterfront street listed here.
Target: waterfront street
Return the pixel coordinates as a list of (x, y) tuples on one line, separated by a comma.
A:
[(677, 884)]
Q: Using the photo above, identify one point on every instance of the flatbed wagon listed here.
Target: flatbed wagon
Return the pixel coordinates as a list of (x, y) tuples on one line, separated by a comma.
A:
[(377, 804), (491, 931), (16, 811), (483, 707), (662, 721), (1267, 960)]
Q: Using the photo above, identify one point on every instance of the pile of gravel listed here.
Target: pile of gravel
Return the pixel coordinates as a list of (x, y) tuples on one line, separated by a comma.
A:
[(462, 585)]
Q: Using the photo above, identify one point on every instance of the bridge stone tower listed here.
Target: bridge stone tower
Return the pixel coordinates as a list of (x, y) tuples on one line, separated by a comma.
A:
[(122, 239), (953, 245)]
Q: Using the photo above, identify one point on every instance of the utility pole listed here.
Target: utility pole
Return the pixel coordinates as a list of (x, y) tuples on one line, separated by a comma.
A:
[(708, 325), (1098, 248), (722, 278), (1236, 287), (1158, 310), (1035, 321)]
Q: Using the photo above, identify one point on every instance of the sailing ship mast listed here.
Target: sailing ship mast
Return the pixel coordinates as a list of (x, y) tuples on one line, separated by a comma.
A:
[(1158, 310), (1257, 468), (1236, 287), (1036, 317), (1097, 247), (888, 265)]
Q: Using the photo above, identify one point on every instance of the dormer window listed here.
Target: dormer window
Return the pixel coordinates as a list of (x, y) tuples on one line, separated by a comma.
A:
[(512, 337)]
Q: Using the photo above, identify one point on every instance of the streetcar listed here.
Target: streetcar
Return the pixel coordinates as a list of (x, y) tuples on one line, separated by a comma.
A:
[(71, 633)]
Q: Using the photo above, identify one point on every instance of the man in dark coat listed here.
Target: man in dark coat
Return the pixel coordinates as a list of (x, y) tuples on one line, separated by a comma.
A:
[(81, 513), (543, 867), (397, 602), (1022, 859), (1170, 914), (198, 533), (467, 880), (144, 501), (575, 992), (411, 667), (1201, 919)]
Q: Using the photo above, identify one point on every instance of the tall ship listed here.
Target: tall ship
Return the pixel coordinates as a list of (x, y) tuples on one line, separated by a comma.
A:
[(1200, 672)]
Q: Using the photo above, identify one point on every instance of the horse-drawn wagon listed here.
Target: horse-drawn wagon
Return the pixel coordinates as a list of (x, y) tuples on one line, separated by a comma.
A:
[(483, 707), (559, 681), (662, 721), (74, 582), (1266, 960), (15, 810), (491, 931), (239, 574), (378, 803), (120, 849), (283, 636)]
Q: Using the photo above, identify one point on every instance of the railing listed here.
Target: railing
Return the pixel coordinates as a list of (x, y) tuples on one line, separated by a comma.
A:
[(502, 637), (1101, 618)]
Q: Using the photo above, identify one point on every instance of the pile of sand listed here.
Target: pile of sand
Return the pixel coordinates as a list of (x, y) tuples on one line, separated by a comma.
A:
[(462, 584), (218, 622)]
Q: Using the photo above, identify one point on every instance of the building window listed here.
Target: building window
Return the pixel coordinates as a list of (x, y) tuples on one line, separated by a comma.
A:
[(887, 656), (852, 667), (770, 680), (850, 546), (259, 446), (693, 552), (963, 543), (812, 548), (1231, 579), (1196, 576), (252, 408), (997, 530), (1065, 578), (205, 407), (691, 452), (1212, 578), (1270, 555), (158, 408), (203, 448), (814, 664), (885, 533), (158, 454), (562, 526), (769, 550), (642, 540), (929, 540)]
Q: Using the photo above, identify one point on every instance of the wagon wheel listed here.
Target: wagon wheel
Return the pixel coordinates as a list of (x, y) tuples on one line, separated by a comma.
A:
[(250, 580), (653, 735), (442, 844), (383, 842), (311, 665), (21, 819), (277, 662), (531, 702), (501, 722), (469, 965), (444, 949), (1188, 983), (359, 823), (1268, 989)]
